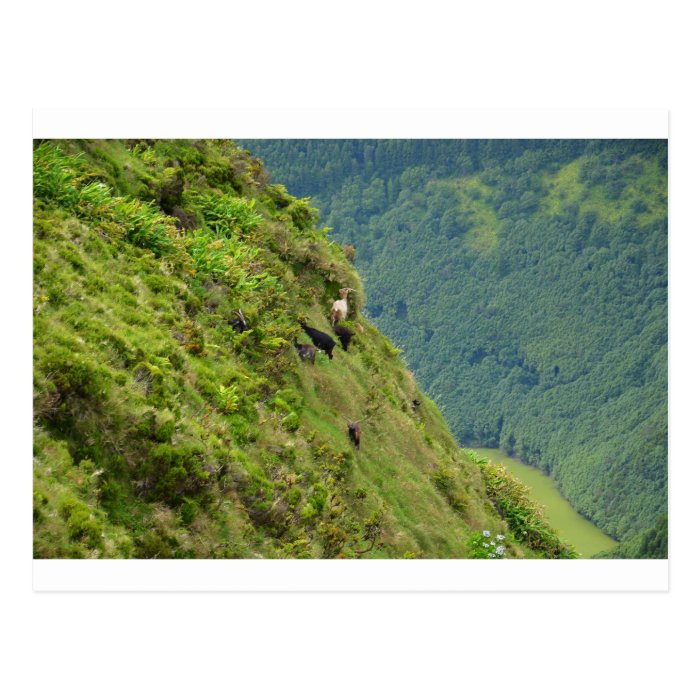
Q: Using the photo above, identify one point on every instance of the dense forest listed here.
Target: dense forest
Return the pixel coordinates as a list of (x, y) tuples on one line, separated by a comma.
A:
[(525, 282), (179, 409)]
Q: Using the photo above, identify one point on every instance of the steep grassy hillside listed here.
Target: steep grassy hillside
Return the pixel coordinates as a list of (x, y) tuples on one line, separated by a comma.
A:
[(163, 430), (526, 282)]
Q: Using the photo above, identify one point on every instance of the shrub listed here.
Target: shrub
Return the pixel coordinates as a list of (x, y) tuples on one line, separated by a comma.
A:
[(188, 511), (56, 175), (482, 545), (72, 375), (333, 539), (81, 522), (258, 494), (303, 215), (40, 500), (317, 498), (61, 178), (308, 513), (175, 471), (291, 422), (228, 215), (298, 549), (294, 496), (228, 399), (292, 398), (152, 545), (164, 426), (152, 381), (443, 478)]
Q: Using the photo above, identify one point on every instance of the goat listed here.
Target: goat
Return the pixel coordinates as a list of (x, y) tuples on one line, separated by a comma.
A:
[(414, 404), (345, 335), (320, 339), (354, 431), (239, 324), (306, 352), (339, 310)]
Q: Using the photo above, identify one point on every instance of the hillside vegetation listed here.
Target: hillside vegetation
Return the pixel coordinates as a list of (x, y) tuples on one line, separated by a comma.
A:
[(526, 282), (162, 430)]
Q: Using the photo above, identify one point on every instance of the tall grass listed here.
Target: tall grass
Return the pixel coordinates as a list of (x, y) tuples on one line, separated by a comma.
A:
[(63, 180)]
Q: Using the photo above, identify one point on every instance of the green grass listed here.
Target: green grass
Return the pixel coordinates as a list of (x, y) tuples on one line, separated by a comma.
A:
[(161, 432)]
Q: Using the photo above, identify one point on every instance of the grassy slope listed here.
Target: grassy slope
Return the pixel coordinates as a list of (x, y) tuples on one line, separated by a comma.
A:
[(161, 432)]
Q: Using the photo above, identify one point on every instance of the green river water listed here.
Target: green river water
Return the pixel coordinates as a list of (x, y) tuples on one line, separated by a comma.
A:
[(572, 527)]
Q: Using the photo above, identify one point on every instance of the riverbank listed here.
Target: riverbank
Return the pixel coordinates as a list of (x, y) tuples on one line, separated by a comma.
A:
[(585, 537)]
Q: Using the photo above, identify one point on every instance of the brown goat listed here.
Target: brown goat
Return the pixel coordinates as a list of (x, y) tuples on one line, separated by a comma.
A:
[(354, 433)]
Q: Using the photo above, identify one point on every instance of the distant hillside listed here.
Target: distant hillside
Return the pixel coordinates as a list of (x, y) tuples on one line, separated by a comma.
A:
[(526, 282), (166, 427)]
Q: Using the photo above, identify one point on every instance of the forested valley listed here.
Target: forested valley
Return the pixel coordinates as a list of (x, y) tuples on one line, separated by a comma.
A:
[(525, 282)]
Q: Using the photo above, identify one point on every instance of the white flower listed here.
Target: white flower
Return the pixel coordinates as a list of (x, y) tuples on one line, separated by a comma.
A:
[(492, 543), (487, 533), (500, 549), (486, 544), (500, 537), (491, 554)]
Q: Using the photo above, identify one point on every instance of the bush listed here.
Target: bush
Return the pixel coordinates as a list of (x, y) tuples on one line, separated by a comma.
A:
[(72, 374), (152, 381), (164, 426), (443, 478), (303, 215), (293, 496), (152, 545), (291, 422), (227, 215), (175, 471), (188, 511), (81, 522), (482, 545)]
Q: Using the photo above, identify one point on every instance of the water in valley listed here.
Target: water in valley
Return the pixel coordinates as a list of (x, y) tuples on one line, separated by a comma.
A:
[(585, 537)]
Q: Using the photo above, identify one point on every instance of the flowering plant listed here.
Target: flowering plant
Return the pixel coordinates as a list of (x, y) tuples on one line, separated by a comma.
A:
[(483, 546)]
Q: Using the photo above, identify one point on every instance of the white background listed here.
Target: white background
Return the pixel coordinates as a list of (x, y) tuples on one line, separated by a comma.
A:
[(543, 55)]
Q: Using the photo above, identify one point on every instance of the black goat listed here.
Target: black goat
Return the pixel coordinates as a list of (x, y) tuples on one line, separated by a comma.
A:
[(306, 352), (239, 324), (345, 335), (414, 404), (320, 339)]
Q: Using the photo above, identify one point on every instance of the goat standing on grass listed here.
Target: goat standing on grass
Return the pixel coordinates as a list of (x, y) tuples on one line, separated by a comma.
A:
[(320, 339), (306, 352), (354, 431), (345, 335), (239, 324), (339, 310)]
